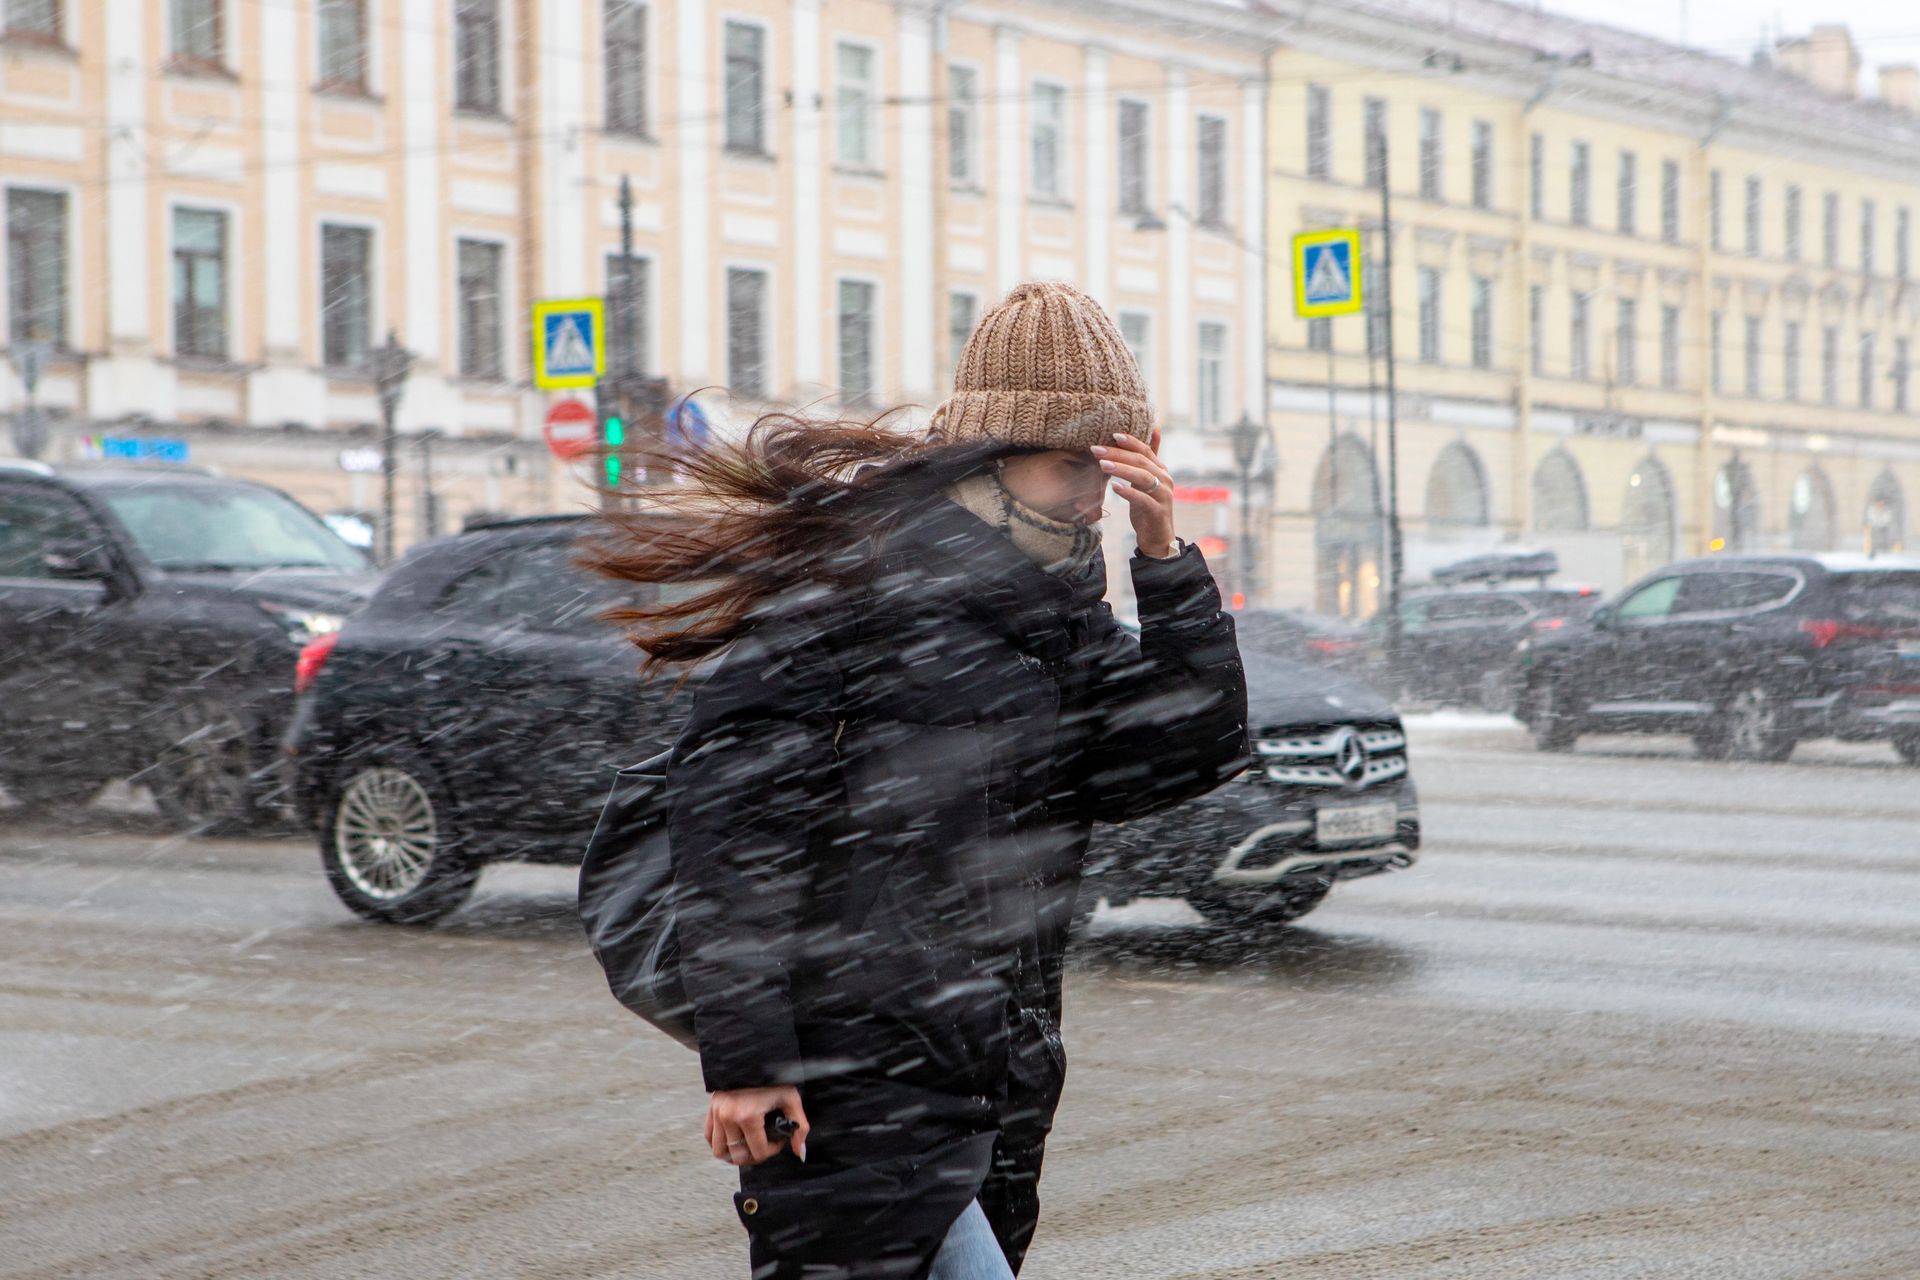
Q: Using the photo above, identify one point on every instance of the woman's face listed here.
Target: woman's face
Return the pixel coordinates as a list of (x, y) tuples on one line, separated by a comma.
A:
[(1062, 484)]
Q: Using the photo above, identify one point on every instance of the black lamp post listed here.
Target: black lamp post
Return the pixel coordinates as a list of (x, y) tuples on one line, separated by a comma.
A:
[(1249, 439), (390, 363)]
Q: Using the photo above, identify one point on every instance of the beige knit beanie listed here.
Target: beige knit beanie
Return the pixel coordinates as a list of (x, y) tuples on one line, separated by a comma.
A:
[(1047, 368)]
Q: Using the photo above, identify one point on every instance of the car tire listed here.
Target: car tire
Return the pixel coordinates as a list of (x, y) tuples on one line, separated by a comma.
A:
[(1908, 745), (49, 794), (390, 844), (1751, 725), (203, 774), (1555, 725), (1257, 908)]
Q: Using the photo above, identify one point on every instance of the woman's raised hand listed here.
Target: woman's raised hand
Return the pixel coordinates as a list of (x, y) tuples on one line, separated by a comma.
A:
[(737, 1123), (1139, 477)]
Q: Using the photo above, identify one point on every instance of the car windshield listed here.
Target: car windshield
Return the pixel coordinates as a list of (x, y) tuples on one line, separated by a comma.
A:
[(229, 529), (1879, 599)]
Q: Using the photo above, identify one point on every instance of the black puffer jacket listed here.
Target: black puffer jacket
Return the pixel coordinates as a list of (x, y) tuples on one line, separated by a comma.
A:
[(880, 805)]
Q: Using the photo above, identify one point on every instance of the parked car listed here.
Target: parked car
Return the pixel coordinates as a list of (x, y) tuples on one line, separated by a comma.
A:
[(1460, 644), (1748, 655), (151, 618), (1304, 637), (475, 710)]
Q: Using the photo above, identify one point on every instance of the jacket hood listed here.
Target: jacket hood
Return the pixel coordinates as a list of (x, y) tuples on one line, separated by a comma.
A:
[(1281, 692)]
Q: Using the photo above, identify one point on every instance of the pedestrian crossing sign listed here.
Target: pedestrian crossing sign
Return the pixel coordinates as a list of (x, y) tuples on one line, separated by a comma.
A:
[(569, 343), (1326, 273)]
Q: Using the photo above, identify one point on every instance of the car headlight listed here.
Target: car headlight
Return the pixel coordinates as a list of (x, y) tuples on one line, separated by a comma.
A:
[(303, 624)]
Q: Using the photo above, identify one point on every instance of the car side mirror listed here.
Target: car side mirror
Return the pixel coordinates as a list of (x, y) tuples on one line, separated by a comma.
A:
[(77, 561)]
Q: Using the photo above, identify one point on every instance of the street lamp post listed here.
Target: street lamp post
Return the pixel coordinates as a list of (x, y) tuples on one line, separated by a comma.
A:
[(1248, 438), (390, 363)]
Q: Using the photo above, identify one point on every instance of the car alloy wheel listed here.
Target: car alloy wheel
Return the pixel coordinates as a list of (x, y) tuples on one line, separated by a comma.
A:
[(386, 833), (1755, 726)]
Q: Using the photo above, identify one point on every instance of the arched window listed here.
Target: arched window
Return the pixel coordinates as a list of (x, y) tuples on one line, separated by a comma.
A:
[(1810, 512), (1736, 508), (1646, 519), (1347, 530), (1457, 490), (1559, 495), (1886, 530)]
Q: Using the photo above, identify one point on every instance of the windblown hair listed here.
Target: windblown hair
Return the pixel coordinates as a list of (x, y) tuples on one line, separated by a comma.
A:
[(796, 504)]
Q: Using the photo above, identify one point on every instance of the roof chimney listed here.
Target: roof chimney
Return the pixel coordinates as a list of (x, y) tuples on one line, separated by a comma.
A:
[(1825, 58), (1900, 87)]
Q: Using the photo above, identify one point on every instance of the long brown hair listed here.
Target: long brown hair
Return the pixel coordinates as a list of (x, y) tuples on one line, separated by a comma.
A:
[(797, 502)]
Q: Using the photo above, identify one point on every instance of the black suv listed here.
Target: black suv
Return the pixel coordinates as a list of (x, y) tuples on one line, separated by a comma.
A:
[(151, 617), (1746, 654), (476, 709)]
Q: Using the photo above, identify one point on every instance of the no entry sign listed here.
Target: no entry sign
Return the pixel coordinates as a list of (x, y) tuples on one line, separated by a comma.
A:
[(569, 429)]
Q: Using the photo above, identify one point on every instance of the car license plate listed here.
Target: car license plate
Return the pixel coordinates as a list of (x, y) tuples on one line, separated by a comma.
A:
[(1353, 824)]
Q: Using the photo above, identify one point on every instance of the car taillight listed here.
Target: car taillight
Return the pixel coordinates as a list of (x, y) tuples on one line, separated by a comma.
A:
[(1549, 624), (1826, 630), (313, 656)]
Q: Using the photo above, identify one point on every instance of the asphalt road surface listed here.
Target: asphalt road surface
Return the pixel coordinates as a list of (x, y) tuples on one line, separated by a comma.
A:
[(1632, 1015)]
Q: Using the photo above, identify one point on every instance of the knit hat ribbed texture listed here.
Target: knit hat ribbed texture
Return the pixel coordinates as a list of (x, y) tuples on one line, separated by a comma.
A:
[(1046, 368)]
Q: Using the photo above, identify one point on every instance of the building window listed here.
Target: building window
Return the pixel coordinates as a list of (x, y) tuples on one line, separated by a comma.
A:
[(1374, 139), (343, 44), (627, 329), (747, 315), (1626, 342), (1482, 165), (1429, 315), (1580, 185), (1867, 259), (1537, 329), (1319, 132), (963, 313), (1753, 217), (1136, 330), (853, 100), (481, 308), (1869, 374), (1669, 347), (1135, 137), (1716, 204), (1790, 360), (1211, 385), (1830, 364), (33, 20), (1791, 213), (1537, 177), (963, 126), (1830, 229), (1213, 172), (1902, 242), (1628, 195), (623, 35), (1716, 371), (200, 283), (746, 88), (346, 295), (1320, 333), (476, 56), (1579, 337), (1902, 354), (1431, 155), (1481, 322), (1752, 352), (198, 35), (1047, 141), (1670, 201), (36, 266), (856, 328)]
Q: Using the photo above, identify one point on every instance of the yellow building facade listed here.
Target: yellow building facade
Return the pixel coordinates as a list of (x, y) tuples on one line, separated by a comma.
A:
[(1645, 304)]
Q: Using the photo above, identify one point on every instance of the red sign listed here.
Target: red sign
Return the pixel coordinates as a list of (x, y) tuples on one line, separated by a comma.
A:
[(1210, 493), (570, 429)]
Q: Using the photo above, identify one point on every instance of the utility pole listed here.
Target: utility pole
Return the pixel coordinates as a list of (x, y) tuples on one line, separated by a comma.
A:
[(1394, 547)]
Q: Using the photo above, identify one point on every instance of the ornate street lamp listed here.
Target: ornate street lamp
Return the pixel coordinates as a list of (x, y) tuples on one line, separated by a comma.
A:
[(390, 363)]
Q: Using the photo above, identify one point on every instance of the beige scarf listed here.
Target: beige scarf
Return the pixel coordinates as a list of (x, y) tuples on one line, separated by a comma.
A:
[(1061, 548)]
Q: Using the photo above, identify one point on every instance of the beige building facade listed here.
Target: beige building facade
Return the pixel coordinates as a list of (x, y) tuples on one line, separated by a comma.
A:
[(1645, 304), (215, 208)]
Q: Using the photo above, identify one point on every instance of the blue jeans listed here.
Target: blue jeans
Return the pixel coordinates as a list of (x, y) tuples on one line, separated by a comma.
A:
[(970, 1251)]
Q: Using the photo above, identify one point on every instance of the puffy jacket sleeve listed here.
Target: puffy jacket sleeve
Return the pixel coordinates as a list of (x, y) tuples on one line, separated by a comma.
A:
[(1168, 714), (751, 776)]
